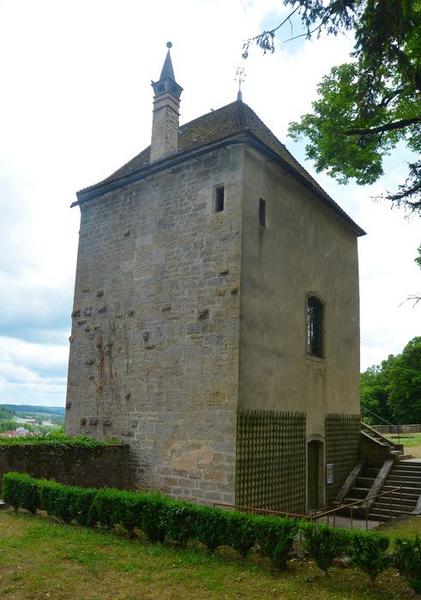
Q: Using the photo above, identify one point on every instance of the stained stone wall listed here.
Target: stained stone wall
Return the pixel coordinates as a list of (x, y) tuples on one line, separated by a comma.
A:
[(110, 466), (342, 448), (155, 325)]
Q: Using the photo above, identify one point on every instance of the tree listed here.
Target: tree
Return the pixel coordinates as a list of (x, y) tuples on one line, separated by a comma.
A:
[(393, 389), (374, 392), (369, 105), (405, 384)]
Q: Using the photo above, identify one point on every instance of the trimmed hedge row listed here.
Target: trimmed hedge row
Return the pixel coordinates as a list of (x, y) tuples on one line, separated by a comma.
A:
[(161, 518), (57, 439)]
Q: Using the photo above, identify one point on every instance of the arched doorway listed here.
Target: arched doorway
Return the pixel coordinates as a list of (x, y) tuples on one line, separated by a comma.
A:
[(315, 474)]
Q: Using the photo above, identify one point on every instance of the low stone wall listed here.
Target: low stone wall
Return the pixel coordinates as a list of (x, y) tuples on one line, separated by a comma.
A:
[(414, 428), (110, 466)]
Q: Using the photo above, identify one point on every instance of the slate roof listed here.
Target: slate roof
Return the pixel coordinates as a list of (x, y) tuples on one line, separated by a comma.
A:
[(230, 120)]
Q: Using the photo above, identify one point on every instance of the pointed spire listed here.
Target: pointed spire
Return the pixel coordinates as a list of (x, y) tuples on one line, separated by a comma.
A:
[(167, 82), (166, 108), (240, 76), (167, 70)]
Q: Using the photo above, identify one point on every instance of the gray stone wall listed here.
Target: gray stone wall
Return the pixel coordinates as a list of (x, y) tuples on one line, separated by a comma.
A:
[(154, 343), (110, 466)]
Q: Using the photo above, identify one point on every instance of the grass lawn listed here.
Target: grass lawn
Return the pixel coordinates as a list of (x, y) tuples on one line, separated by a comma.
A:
[(405, 528), (40, 558), (411, 442)]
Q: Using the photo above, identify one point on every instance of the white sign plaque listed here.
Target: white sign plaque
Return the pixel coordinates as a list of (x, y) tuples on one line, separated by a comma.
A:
[(329, 473)]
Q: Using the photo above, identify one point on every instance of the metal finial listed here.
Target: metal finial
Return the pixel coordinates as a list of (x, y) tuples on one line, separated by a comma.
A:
[(240, 76), (169, 44)]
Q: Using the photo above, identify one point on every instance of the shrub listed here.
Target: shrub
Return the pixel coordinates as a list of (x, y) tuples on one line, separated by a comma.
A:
[(20, 491), (407, 560), (151, 516), (57, 438), (241, 534), (369, 552), (275, 537), (323, 543), (178, 521), (211, 527)]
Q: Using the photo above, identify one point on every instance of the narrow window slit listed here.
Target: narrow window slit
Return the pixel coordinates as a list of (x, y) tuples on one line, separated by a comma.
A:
[(219, 198), (262, 212)]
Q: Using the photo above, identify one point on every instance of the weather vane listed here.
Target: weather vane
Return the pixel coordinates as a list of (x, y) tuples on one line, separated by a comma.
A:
[(240, 76)]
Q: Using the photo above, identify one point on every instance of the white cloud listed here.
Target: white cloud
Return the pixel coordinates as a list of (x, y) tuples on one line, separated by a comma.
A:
[(76, 104), (32, 373)]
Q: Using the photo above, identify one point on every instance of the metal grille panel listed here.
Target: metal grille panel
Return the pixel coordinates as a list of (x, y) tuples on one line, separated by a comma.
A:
[(342, 448), (271, 460)]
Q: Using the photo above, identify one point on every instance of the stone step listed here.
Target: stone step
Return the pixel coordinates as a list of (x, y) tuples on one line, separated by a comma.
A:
[(404, 484), (406, 472), (350, 500), (389, 511), (395, 503), (405, 478), (365, 482), (380, 517), (371, 472), (401, 465), (405, 496), (405, 489), (359, 492)]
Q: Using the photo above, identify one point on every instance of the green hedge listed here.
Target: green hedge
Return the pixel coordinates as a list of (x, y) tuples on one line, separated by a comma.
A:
[(161, 518), (55, 439)]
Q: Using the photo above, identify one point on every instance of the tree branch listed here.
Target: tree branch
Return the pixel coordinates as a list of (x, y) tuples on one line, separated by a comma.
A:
[(381, 128)]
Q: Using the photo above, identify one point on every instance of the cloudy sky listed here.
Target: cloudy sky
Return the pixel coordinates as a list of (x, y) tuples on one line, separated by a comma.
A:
[(75, 104)]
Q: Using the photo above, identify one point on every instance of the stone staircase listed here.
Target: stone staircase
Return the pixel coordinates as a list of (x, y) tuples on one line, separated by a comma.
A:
[(361, 487), (390, 448), (383, 467), (407, 476)]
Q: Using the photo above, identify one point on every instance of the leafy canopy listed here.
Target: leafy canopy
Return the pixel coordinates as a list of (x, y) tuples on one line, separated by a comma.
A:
[(392, 390), (364, 107)]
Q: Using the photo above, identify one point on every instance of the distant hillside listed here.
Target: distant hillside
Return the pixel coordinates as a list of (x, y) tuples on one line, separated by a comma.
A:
[(29, 409)]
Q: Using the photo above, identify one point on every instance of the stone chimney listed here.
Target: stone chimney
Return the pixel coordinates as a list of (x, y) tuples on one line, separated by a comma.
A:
[(166, 105)]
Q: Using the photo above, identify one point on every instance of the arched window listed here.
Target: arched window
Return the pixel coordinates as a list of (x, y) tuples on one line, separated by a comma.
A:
[(315, 325)]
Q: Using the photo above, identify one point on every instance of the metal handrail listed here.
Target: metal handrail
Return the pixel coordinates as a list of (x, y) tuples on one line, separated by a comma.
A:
[(317, 516), (351, 506), (265, 511), (398, 427)]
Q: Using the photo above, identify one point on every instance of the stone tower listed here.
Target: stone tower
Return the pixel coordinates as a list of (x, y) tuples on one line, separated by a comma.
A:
[(215, 321)]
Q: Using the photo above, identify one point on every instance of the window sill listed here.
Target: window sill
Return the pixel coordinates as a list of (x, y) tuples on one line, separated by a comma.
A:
[(317, 359)]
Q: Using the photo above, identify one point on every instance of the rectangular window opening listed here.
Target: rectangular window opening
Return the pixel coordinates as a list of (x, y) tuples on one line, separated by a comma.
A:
[(219, 198), (262, 212)]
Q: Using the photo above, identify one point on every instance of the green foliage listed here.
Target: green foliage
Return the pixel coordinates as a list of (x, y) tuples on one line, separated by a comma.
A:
[(21, 491), (179, 520), (275, 537), (162, 518), (369, 552), (407, 560), (368, 105), (405, 384), (374, 390), (69, 503), (242, 532), (7, 414), (8, 425), (57, 438), (211, 527), (324, 544), (393, 389)]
